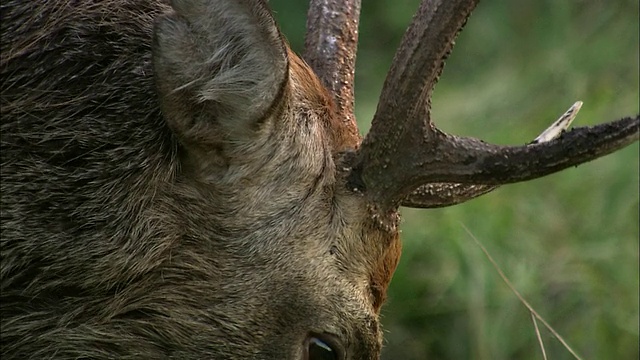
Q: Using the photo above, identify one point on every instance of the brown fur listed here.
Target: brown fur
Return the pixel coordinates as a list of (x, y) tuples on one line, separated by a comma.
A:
[(175, 190)]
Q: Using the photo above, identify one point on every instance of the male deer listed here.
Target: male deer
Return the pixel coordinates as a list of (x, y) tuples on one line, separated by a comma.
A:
[(177, 183)]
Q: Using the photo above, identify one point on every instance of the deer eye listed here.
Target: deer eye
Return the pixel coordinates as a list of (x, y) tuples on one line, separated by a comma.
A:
[(320, 347)]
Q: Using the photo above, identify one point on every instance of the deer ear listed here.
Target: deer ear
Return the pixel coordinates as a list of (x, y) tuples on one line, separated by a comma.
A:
[(219, 67)]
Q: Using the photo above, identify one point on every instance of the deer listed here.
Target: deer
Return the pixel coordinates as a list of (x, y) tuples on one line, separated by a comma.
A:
[(178, 183)]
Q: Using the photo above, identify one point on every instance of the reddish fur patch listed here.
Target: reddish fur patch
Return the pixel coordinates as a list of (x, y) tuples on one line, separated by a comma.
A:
[(322, 102), (387, 263)]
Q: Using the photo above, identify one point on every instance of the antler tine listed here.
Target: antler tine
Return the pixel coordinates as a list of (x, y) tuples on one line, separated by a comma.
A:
[(404, 153), (469, 160), (452, 159), (330, 48), (447, 194)]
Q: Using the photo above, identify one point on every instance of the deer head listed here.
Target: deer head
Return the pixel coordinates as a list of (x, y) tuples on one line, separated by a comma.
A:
[(282, 139), (246, 218)]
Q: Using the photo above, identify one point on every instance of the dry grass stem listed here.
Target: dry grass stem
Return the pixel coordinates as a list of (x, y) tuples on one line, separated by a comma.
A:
[(519, 296), (535, 325)]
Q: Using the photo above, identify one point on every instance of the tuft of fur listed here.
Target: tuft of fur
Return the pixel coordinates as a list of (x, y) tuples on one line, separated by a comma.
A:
[(171, 189)]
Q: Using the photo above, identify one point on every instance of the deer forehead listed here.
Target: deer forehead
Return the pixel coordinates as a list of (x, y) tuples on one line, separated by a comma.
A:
[(364, 252)]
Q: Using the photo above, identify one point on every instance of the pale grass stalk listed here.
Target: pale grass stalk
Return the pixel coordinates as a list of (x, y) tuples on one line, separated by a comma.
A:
[(519, 296), (535, 325)]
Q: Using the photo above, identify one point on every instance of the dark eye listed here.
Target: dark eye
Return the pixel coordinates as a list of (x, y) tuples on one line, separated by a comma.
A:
[(321, 348)]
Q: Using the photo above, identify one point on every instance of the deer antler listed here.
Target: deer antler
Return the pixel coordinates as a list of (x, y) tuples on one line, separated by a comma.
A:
[(405, 160), (447, 194), (330, 49)]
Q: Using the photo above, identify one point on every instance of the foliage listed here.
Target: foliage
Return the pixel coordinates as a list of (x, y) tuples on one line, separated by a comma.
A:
[(569, 242)]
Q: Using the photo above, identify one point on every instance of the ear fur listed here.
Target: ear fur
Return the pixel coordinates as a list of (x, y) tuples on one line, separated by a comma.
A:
[(219, 66)]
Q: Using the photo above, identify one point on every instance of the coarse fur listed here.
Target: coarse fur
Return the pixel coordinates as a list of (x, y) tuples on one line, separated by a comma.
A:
[(171, 188)]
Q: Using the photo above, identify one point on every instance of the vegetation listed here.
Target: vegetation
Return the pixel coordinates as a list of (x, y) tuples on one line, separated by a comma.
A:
[(568, 242)]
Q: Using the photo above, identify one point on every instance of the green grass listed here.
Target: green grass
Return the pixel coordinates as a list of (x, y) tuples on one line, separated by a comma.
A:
[(568, 242)]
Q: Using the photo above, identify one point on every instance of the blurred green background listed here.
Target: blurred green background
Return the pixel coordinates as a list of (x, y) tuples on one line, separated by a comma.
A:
[(568, 242)]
